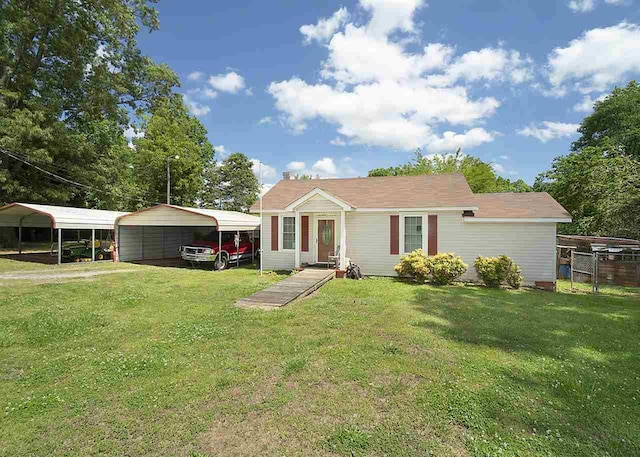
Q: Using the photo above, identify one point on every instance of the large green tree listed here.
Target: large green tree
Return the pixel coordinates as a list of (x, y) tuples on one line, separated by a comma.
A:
[(170, 132), (479, 174), (598, 182), (71, 75), (231, 185)]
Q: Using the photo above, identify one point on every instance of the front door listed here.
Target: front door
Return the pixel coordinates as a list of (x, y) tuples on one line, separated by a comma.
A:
[(326, 239)]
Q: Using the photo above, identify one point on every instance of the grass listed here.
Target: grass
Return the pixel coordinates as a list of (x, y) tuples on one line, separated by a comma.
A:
[(159, 362)]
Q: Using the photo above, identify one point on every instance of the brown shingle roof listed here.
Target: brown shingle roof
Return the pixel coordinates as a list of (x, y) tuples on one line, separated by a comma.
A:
[(519, 205), (424, 191)]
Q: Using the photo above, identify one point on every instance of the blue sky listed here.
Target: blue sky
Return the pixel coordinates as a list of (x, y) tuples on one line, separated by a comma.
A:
[(337, 88)]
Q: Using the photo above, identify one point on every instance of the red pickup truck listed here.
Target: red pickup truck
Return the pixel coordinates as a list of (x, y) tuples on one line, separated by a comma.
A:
[(207, 250)]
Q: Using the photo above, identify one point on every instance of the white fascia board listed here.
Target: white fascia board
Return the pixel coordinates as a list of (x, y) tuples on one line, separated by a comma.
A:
[(317, 191), (498, 220)]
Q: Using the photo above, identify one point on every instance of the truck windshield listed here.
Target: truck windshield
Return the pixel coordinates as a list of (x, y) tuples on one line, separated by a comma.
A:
[(213, 236)]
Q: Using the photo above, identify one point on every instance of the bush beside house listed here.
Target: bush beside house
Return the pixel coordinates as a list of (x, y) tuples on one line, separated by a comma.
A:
[(440, 269), (495, 271)]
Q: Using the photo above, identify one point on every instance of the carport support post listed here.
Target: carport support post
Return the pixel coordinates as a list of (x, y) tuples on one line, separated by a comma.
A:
[(59, 246), (93, 245), (20, 237), (238, 249), (219, 245)]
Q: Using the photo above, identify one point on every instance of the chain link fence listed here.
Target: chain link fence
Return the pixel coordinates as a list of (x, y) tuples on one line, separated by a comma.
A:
[(608, 268)]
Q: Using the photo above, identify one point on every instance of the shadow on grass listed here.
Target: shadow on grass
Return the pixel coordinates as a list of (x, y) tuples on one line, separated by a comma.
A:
[(573, 358)]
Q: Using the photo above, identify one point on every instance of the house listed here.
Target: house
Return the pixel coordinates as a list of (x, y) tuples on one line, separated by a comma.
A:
[(373, 221)]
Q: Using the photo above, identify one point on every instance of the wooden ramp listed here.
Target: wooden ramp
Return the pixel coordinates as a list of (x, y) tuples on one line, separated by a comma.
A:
[(287, 290)]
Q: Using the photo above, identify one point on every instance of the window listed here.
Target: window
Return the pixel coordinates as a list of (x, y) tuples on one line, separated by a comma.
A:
[(288, 232), (412, 233)]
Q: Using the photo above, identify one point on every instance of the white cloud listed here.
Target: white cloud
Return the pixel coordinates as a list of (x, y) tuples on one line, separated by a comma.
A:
[(220, 149), (451, 141), (586, 105), (405, 102), (197, 109), (597, 60), (390, 15), (548, 130), (130, 133), (195, 76), (582, 6), (325, 167), (268, 172), (325, 27), (230, 82), (265, 120), (498, 167), (585, 6), (504, 157), (296, 166), (384, 114), (337, 141), (489, 64)]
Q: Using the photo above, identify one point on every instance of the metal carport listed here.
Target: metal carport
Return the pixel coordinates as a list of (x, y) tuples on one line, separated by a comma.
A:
[(158, 232), (57, 218)]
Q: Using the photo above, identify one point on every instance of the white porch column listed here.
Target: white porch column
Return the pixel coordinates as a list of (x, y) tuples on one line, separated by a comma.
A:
[(297, 236), (343, 241)]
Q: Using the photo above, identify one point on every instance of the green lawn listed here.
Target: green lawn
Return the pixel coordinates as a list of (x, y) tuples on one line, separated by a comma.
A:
[(158, 362)]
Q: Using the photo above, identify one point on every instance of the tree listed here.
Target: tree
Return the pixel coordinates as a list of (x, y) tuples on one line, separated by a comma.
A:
[(171, 131), (479, 174), (231, 186), (617, 117), (598, 182), (71, 74)]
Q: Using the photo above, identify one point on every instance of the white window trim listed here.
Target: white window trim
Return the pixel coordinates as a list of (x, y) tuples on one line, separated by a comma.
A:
[(424, 218), (281, 232)]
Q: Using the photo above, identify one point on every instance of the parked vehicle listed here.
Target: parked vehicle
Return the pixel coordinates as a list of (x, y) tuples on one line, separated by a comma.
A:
[(207, 251), (79, 251)]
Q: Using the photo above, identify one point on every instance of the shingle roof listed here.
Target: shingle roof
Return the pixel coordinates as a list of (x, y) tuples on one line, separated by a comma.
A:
[(519, 205), (425, 191)]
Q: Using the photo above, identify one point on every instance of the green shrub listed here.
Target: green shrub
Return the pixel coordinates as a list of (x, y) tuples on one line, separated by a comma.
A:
[(514, 276), (494, 271), (414, 265), (439, 269), (446, 268)]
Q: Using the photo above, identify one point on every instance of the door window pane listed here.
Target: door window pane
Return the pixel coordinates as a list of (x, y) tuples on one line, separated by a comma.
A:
[(412, 233), (288, 233)]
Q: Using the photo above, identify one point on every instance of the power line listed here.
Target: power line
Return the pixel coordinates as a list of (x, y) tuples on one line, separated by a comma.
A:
[(64, 180)]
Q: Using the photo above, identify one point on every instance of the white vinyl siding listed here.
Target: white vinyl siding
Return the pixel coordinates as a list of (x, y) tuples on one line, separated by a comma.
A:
[(274, 260), (412, 233), (531, 245), (288, 232), (318, 203), (368, 241)]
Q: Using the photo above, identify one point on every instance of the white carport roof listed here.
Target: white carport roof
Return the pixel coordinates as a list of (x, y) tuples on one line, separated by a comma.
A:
[(172, 215), (58, 217)]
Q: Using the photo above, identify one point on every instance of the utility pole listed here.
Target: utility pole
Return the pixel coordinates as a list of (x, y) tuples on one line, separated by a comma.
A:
[(169, 159)]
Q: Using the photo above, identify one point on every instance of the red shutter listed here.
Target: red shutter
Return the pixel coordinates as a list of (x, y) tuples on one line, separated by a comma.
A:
[(394, 245), (432, 241), (274, 233), (304, 231)]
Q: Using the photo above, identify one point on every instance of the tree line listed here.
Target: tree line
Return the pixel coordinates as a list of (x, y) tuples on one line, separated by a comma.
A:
[(72, 81)]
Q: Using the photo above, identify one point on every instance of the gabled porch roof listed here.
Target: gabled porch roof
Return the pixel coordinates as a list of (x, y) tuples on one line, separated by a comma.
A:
[(319, 192)]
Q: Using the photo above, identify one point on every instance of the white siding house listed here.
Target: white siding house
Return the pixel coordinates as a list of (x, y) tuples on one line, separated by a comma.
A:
[(384, 218)]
